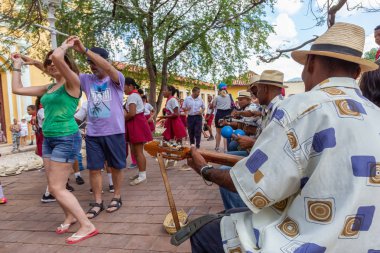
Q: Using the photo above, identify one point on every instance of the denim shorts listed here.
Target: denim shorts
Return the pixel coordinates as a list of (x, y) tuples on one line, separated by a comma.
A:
[(62, 149), (111, 148)]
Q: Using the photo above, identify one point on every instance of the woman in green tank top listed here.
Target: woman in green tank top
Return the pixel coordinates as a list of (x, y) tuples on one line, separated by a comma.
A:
[(62, 140)]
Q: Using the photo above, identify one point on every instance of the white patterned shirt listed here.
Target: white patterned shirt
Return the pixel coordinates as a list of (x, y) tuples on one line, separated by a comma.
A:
[(312, 179)]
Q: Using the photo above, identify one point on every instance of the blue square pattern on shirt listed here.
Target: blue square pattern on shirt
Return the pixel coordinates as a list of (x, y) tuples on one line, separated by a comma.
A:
[(256, 160), (365, 216), (361, 166), (310, 248), (324, 139)]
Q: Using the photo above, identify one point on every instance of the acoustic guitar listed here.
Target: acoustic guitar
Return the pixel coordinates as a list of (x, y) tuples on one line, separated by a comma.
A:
[(174, 151)]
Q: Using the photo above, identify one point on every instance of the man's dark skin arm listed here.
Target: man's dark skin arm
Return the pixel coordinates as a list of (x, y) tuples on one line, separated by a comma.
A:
[(219, 177)]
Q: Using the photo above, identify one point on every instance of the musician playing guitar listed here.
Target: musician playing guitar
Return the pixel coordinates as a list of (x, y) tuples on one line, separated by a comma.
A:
[(269, 97)]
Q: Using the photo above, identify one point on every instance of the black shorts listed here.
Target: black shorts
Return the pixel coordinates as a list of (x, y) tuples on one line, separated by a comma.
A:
[(111, 148), (220, 114)]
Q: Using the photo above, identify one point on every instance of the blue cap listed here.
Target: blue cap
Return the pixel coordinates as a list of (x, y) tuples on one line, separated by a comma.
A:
[(100, 51)]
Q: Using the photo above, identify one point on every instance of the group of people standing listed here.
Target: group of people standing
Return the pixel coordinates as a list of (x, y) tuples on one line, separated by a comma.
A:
[(110, 124)]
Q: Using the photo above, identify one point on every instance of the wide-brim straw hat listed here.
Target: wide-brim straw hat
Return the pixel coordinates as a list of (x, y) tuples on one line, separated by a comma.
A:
[(272, 77), (342, 41), (244, 94)]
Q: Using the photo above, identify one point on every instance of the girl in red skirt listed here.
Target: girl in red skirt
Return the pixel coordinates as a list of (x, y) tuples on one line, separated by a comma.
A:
[(149, 113), (136, 128), (38, 125), (175, 130)]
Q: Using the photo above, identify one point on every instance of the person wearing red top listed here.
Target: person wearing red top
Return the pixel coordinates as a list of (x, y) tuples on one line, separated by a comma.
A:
[(31, 110), (377, 40)]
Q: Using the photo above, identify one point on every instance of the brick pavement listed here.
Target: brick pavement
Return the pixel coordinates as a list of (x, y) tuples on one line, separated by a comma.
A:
[(27, 225)]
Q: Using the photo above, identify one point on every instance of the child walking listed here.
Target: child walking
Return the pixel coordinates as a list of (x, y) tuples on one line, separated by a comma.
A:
[(15, 129)]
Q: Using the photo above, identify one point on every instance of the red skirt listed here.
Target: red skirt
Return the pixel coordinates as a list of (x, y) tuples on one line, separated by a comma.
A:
[(210, 119), (184, 120), (174, 129), (151, 124), (39, 141), (137, 130)]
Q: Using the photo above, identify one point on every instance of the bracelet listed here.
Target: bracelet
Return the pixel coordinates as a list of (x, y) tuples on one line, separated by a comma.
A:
[(17, 70), (85, 51), (203, 171)]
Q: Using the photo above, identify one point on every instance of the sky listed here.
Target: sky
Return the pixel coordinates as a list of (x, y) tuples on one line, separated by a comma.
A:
[(294, 24)]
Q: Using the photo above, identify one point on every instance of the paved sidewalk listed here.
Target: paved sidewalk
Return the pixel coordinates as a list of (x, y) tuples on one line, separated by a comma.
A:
[(6, 149), (27, 225)]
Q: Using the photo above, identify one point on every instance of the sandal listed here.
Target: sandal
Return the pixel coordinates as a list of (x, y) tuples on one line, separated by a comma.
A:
[(64, 228), (117, 205), (93, 212), (77, 238)]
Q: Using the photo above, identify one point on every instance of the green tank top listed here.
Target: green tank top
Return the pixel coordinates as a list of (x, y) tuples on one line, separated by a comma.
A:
[(59, 108)]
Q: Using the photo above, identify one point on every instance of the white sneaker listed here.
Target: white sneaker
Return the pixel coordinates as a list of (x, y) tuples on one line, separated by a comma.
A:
[(134, 177), (137, 181)]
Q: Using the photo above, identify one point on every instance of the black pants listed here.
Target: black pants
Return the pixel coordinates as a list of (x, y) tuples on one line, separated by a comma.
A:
[(208, 239), (194, 127)]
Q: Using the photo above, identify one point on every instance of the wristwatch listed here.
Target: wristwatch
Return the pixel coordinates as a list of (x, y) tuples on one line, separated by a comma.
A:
[(204, 173)]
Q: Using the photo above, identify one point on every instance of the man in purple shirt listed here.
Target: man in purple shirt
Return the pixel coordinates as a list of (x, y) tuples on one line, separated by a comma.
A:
[(105, 137)]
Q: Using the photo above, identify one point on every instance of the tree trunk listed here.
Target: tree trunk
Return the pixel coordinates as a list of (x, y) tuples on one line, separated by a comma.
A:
[(152, 72), (164, 83)]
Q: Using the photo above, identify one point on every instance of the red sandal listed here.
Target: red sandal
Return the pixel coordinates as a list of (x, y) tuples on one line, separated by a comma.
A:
[(78, 238)]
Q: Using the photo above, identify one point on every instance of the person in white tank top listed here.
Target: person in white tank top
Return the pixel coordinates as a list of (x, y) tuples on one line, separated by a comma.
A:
[(24, 132)]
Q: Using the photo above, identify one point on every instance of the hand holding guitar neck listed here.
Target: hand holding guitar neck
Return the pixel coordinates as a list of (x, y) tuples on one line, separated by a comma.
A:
[(174, 151)]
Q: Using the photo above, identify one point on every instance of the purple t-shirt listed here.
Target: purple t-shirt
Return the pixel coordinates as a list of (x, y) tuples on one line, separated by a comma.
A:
[(105, 115)]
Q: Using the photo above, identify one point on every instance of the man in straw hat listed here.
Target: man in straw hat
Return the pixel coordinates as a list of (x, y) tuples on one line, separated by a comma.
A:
[(312, 179), (268, 88)]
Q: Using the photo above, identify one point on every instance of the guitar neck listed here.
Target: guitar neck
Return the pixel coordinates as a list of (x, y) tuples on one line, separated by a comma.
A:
[(220, 158)]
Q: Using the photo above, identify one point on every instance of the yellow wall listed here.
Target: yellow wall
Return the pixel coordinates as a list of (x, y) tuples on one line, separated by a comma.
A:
[(36, 78), (234, 90)]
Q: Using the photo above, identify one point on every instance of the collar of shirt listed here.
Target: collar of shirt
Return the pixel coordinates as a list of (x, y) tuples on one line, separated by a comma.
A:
[(272, 103), (337, 82), (195, 106)]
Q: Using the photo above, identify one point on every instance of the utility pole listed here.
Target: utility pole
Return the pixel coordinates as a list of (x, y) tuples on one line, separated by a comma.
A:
[(52, 4)]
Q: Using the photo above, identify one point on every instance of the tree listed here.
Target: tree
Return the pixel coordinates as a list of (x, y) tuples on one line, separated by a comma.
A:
[(324, 12), (202, 38), (371, 54)]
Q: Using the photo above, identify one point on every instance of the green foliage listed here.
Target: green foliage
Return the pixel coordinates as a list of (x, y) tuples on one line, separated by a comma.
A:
[(207, 40), (371, 54)]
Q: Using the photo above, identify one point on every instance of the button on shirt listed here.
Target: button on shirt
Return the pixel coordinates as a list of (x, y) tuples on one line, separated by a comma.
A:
[(193, 105), (312, 179)]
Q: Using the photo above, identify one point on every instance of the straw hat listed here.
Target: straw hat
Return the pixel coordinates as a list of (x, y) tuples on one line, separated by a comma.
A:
[(244, 94), (342, 41), (272, 77)]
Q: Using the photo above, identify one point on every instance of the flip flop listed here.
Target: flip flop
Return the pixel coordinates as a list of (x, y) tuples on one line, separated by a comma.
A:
[(78, 238), (63, 228)]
